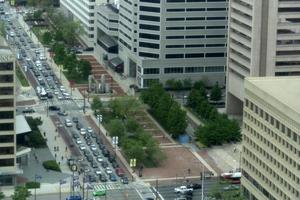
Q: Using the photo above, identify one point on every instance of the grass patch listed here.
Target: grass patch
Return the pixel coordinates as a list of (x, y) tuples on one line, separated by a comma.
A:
[(51, 165), (21, 77), (200, 145), (77, 80), (32, 185), (38, 31)]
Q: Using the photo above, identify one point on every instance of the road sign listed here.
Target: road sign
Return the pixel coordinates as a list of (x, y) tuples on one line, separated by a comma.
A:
[(115, 140), (132, 162)]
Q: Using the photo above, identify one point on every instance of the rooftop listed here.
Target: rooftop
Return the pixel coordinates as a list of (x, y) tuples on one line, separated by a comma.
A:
[(286, 90)]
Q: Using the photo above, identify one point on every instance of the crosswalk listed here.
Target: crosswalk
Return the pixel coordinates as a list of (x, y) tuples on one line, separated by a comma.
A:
[(108, 186), (61, 102)]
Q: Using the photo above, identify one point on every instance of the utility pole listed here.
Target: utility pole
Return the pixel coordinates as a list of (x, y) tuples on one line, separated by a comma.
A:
[(156, 189), (202, 184), (83, 180), (47, 108), (83, 101)]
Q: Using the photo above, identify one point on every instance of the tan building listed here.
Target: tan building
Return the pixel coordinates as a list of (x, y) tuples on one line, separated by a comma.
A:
[(271, 139), (263, 40), (8, 166)]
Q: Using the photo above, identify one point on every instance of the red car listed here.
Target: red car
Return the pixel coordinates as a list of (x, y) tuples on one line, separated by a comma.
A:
[(120, 172)]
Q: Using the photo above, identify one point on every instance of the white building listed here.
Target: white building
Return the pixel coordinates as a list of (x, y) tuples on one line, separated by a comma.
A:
[(263, 40), (165, 39), (271, 139)]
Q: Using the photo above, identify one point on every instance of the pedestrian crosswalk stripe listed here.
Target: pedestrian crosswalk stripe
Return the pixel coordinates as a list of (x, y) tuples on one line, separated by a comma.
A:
[(107, 187)]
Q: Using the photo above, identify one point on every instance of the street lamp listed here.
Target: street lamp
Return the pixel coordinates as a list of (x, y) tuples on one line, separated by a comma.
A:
[(99, 117), (36, 177)]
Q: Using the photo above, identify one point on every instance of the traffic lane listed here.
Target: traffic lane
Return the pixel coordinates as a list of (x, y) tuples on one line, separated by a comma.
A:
[(107, 143), (66, 137)]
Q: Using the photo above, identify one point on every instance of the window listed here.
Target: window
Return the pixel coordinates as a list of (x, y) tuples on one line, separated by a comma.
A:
[(149, 36), (174, 28), (149, 45), (175, 19), (6, 115), (6, 91), (151, 70), (194, 69), (150, 1), (215, 18), (7, 138), (215, 36), (6, 66), (149, 55), (195, 9), (149, 27), (6, 103), (174, 46), (6, 126), (149, 9), (215, 45), (176, 10), (195, 18), (175, 37), (173, 70), (6, 78), (7, 162), (194, 27), (148, 82), (194, 36), (194, 55), (149, 18), (6, 150), (174, 55), (215, 27), (210, 55), (216, 9), (175, 1), (214, 69)]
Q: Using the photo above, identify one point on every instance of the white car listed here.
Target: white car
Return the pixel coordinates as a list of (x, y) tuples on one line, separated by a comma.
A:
[(98, 172), (108, 170), (93, 147), (82, 131), (66, 95), (28, 59), (100, 159), (78, 141), (42, 57), (182, 189), (60, 97), (38, 63), (12, 34), (89, 130), (82, 147), (62, 88), (56, 92), (68, 123)]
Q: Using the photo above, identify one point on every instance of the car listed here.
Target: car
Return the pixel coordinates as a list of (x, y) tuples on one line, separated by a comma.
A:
[(105, 152), (108, 170), (124, 180), (94, 164), (120, 172), (66, 95), (38, 63), (104, 164), (195, 186), (93, 135), (87, 137), (96, 153), (89, 130), (82, 131), (82, 147), (68, 123), (62, 113), (112, 177), (54, 108), (75, 119), (182, 189), (78, 141), (99, 159), (89, 158), (114, 164), (28, 110), (231, 187), (92, 178), (103, 178), (79, 126), (93, 147), (97, 171), (89, 142), (111, 158), (75, 135), (42, 57), (98, 140), (60, 97), (56, 92), (62, 88)]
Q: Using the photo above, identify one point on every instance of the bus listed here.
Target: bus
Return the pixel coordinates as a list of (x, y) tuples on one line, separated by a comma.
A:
[(232, 177)]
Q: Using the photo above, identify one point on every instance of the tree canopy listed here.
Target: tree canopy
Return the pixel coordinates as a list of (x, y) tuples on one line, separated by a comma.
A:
[(216, 93), (21, 193)]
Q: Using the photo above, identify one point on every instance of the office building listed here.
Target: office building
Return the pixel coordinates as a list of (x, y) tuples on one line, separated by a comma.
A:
[(263, 40), (271, 139), (84, 12), (8, 166), (166, 39)]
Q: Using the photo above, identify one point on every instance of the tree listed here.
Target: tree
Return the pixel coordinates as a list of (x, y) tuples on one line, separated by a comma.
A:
[(47, 37), (84, 68), (131, 125), (162, 109), (70, 31), (194, 98), (176, 120), (2, 29), (116, 128), (96, 105), (21, 193), (134, 149), (154, 154), (60, 53), (150, 95), (216, 93), (187, 83), (199, 85), (2, 196), (37, 15)]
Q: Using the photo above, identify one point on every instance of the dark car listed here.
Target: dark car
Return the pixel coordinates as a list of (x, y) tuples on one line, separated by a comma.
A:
[(54, 108), (111, 158), (79, 126), (101, 146), (89, 158), (49, 95), (195, 186), (98, 140), (94, 164), (105, 153), (103, 178), (104, 164), (75, 119), (114, 164), (28, 110), (124, 180), (91, 178), (112, 177)]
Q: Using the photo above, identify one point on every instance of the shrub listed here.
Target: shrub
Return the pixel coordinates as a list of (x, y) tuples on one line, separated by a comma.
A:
[(32, 185), (51, 165)]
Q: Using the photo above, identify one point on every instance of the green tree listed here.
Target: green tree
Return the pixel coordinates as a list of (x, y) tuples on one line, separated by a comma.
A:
[(37, 14), (47, 37), (177, 121), (122, 107), (134, 149), (154, 155), (131, 125), (2, 29), (58, 36), (60, 53), (150, 95), (84, 68), (216, 93), (70, 63), (163, 107), (194, 98), (187, 83), (2, 196), (21, 193), (199, 85), (174, 84), (96, 105), (70, 31), (116, 128)]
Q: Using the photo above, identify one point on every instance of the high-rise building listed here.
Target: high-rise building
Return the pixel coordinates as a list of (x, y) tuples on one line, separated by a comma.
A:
[(8, 166), (165, 39), (84, 12), (271, 139), (263, 40)]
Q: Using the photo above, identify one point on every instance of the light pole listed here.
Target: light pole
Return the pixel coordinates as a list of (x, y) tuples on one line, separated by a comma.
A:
[(202, 184), (99, 117), (61, 181), (36, 177)]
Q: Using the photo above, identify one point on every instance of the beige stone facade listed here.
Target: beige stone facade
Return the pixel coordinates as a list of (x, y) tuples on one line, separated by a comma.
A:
[(271, 138)]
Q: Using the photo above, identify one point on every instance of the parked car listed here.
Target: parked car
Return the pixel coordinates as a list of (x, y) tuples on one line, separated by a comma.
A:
[(195, 186), (120, 172), (79, 126), (112, 177), (68, 123), (28, 110), (124, 180), (82, 131), (62, 113), (104, 164), (103, 178), (54, 108), (75, 119)]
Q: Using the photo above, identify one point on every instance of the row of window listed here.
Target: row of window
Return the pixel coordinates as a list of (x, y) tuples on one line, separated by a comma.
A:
[(194, 36), (196, 55), (6, 66), (183, 1), (176, 70), (195, 18), (194, 27), (194, 9), (194, 45)]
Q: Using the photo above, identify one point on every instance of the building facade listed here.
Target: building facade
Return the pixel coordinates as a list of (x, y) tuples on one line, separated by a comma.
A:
[(165, 39), (84, 12), (8, 166), (271, 139), (263, 40)]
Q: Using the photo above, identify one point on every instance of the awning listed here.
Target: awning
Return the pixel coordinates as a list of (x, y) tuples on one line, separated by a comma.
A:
[(107, 41), (22, 125), (116, 61)]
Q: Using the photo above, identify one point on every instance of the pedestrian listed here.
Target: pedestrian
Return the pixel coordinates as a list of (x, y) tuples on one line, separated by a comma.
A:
[(54, 138), (58, 163), (66, 148), (44, 134), (62, 157), (55, 155), (54, 148), (56, 130)]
